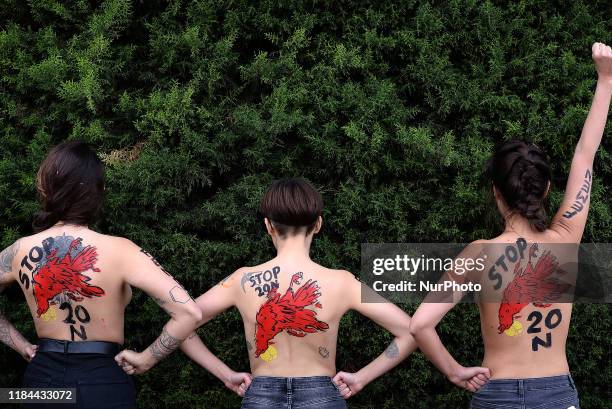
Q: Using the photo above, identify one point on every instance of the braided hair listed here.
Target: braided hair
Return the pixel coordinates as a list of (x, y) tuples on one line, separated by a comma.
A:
[(521, 173)]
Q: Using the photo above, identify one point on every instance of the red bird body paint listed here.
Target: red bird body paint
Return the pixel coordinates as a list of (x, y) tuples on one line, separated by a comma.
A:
[(533, 285), (65, 275), (288, 313)]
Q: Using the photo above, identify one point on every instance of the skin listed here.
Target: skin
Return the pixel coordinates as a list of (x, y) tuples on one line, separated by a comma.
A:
[(122, 266), (513, 357), (315, 353)]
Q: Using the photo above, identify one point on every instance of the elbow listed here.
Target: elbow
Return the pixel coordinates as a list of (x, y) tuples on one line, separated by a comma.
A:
[(193, 314), (416, 327)]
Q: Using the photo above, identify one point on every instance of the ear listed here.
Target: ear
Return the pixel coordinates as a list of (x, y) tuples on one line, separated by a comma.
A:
[(318, 225), (269, 226)]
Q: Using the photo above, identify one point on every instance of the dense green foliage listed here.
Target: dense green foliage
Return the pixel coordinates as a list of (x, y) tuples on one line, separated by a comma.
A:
[(391, 108)]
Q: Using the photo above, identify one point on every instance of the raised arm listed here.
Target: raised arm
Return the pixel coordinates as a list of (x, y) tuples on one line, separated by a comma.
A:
[(143, 271), (212, 303), (9, 335), (572, 215), (388, 316)]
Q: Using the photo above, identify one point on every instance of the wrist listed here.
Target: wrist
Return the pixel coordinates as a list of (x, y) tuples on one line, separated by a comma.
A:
[(225, 375), (453, 372), (149, 359), (605, 82), (362, 378)]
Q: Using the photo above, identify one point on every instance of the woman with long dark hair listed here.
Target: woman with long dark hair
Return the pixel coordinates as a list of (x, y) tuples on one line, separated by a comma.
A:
[(524, 307), (77, 284)]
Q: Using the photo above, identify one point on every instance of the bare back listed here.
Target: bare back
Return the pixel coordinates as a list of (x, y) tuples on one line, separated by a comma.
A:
[(291, 315), (523, 338), (77, 283), (73, 285)]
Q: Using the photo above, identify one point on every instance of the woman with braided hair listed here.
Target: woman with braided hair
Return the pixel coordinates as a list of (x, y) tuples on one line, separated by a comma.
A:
[(525, 302)]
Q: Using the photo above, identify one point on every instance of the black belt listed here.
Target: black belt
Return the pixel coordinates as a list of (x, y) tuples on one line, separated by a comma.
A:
[(81, 347)]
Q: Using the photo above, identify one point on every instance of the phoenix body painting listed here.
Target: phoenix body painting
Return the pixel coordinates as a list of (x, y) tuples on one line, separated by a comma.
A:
[(536, 284), (58, 277), (287, 313)]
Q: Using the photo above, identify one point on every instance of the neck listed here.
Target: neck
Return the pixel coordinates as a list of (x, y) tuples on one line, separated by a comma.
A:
[(62, 223), (518, 224), (294, 247)]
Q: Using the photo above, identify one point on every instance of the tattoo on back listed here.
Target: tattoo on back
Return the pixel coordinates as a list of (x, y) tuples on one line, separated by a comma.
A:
[(581, 197), (59, 273), (261, 281), (6, 258), (543, 269), (289, 313), (323, 352), (392, 350), (164, 345)]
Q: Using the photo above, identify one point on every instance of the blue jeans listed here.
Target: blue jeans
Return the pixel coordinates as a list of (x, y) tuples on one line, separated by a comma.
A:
[(99, 381), (314, 392), (555, 392)]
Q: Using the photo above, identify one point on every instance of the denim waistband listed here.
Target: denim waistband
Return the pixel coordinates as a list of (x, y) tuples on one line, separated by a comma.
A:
[(548, 382), (282, 383)]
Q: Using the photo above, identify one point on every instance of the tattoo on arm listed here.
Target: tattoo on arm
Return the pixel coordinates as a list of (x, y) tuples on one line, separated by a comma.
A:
[(164, 345), (6, 258), (392, 351), (581, 197), (9, 335), (5, 332)]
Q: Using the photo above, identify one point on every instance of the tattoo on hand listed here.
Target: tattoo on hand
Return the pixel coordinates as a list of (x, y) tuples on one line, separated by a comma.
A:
[(6, 258), (323, 352), (164, 345), (392, 351)]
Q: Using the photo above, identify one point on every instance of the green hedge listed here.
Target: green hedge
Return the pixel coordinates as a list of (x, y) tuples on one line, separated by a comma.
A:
[(391, 108)]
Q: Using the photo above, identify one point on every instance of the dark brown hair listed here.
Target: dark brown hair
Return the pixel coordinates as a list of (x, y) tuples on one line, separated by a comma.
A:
[(70, 185), (292, 204), (521, 173)]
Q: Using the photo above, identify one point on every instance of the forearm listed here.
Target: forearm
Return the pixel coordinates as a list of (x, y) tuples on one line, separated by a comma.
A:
[(11, 337), (595, 123), (195, 349), (175, 332), (430, 344), (399, 349)]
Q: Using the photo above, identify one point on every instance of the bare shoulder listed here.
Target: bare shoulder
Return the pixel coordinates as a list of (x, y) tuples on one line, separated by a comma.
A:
[(336, 276), (7, 259)]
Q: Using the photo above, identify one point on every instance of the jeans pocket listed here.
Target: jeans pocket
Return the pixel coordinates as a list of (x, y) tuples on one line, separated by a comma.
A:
[(107, 395)]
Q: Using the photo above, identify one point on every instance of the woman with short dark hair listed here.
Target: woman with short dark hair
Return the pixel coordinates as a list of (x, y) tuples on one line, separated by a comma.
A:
[(77, 284), (291, 308)]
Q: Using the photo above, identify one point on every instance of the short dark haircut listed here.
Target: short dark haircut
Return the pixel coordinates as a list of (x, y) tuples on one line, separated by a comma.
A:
[(521, 173), (70, 185), (292, 205)]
